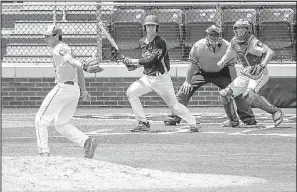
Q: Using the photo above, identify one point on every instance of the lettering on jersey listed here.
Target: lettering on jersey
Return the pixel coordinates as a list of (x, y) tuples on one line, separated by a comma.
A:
[(62, 52)]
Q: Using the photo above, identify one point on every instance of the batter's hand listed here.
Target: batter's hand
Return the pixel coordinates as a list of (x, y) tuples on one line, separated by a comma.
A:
[(186, 87), (86, 96)]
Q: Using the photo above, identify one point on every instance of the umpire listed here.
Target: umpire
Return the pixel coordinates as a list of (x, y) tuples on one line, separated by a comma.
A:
[(203, 56)]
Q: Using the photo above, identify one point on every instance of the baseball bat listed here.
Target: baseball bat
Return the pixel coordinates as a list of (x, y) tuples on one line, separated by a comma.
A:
[(108, 36)]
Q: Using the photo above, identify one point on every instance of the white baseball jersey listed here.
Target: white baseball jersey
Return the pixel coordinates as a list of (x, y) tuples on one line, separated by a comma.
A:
[(61, 54), (61, 102)]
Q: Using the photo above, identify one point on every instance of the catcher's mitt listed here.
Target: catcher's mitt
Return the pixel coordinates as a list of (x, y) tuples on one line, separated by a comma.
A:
[(253, 72), (129, 64), (91, 65)]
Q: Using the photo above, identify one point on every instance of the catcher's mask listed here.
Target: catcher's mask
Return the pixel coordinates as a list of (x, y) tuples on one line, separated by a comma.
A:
[(214, 34), (239, 24), (151, 20)]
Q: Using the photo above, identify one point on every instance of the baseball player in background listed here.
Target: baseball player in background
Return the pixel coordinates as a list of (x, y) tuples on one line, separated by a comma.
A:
[(155, 60), (254, 57), (203, 69), (61, 102)]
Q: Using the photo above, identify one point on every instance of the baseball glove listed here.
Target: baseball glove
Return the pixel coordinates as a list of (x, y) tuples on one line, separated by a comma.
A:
[(91, 65), (253, 72), (129, 64)]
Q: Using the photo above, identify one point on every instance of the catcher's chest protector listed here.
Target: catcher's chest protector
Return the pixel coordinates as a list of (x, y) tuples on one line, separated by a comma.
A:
[(249, 53)]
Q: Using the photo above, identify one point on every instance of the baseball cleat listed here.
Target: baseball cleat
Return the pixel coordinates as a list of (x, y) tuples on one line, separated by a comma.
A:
[(45, 154), (250, 122), (90, 147), (277, 117), (195, 128), (170, 122), (230, 123), (142, 126)]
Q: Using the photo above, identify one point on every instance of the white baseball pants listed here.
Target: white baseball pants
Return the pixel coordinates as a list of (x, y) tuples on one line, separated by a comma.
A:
[(60, 104), (243, 84), (163, 86)]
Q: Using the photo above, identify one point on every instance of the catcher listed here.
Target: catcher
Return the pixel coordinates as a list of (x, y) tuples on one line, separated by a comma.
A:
[(254, 57)]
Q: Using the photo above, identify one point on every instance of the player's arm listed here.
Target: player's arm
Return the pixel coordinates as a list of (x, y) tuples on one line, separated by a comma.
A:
[(82, 84), (63, 56), (227, 56), (157, 54), (269, 54), (194, 66)]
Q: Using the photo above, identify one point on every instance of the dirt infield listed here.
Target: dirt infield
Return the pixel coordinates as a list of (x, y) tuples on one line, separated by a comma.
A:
[(164, 159)]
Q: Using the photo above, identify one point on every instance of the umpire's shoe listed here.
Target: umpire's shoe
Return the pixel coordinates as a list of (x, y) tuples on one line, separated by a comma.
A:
[(90, 147), (250, 122), (142, 126), (195, 128), (230, 123), (277, 117), (45, 154)]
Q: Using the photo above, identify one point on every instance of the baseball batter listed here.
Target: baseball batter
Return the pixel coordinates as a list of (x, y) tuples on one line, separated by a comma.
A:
[(155, 60), (203, 69), (61, 102), (251, 52)]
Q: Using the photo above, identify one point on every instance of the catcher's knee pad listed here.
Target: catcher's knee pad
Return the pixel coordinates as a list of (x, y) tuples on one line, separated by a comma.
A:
[(226, 95)]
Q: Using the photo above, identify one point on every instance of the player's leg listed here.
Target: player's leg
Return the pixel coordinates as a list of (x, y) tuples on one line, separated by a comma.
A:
[(62, 125), (183, 99), (135, 90), (164, 88), (243, 110), (197, 82), (256, 100), (48, 110), (236, 88)]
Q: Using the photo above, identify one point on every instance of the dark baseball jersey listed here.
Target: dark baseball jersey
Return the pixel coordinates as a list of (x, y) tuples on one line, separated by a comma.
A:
[(154, 56)]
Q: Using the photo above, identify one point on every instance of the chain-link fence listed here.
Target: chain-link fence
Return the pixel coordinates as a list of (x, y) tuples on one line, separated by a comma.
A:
[(180, 24)]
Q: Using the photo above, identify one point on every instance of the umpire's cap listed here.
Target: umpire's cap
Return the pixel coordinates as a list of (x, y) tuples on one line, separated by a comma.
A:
[(53, 30), (151, 19)]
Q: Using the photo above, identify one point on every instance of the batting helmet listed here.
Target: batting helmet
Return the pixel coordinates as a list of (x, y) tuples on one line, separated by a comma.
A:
[(214, 33), (150, 19), (242, 23)]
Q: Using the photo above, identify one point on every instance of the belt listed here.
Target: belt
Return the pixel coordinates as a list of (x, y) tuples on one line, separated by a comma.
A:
[(69, 82), (156, 73)]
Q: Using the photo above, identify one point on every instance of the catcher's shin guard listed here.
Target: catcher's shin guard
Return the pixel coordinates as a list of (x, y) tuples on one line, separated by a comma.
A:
[(258, 101), (227, 101)]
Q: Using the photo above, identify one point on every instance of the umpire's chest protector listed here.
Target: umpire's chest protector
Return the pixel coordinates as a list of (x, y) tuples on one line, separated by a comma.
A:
[(251, 52)]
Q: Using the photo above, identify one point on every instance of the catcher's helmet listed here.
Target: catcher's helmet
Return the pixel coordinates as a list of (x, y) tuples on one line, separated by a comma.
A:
[(214, 33), (242, 23), (151, 19)]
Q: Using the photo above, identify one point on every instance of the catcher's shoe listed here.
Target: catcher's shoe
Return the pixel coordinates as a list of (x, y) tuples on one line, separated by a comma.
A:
[(90, 147), (142, 126), (195, 128), (45, 154), (277, 117), (250, 122), (171, 122), (230, 123)]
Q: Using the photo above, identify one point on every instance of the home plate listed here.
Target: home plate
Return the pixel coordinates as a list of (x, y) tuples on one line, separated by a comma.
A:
[(57, 173)]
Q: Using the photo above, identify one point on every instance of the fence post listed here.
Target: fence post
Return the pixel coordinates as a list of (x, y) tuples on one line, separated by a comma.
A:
[(54, 14), (99, 35), (219, 15)]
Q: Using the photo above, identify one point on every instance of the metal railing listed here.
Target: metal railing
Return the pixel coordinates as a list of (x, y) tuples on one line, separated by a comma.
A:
[(181, 24)]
